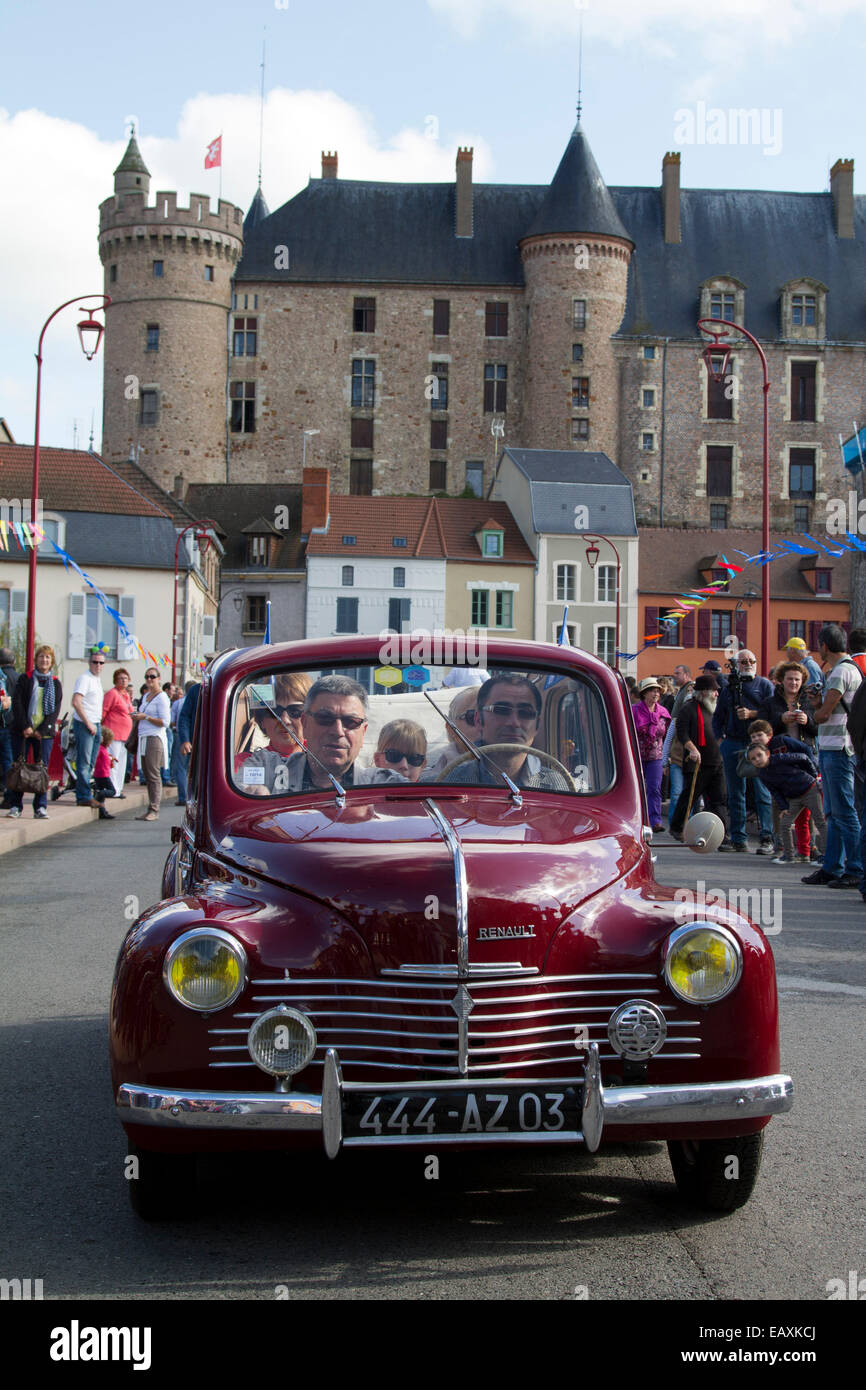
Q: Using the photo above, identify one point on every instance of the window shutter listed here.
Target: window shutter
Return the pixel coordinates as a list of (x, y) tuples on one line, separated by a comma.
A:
[(741, 623), (17, 610), (75, 636), (814, 629), (126, 651), (704, 628), (208, 632), (688, 629), (783, 633), (651, 622)]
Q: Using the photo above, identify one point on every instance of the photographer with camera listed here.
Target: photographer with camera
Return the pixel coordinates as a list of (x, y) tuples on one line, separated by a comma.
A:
[(836, 760), (744, 693)]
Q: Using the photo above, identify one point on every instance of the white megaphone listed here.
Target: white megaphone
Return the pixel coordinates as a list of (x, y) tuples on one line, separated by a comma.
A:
[(704, 832)]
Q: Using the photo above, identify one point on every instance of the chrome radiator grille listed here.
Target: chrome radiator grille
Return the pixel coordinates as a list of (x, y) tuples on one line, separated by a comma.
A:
[(529, 1025)]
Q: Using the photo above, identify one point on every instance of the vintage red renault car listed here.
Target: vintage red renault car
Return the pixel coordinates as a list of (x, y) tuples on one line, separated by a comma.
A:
[(413, 903)]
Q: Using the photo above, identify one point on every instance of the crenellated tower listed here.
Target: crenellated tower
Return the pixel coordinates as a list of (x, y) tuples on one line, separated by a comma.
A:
[(168, 270), (575, 261)]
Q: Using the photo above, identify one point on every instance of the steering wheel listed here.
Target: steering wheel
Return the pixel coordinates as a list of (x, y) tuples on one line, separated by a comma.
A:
[(512, 748)]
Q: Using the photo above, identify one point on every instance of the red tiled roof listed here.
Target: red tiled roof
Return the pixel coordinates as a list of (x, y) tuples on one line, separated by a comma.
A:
[(70, 480), (440, 528)]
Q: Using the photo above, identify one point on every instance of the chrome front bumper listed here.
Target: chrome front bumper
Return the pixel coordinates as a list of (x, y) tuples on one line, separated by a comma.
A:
[(293, 1112)]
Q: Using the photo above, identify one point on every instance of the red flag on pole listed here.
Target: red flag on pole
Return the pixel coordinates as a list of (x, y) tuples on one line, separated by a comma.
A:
[(214, 157)]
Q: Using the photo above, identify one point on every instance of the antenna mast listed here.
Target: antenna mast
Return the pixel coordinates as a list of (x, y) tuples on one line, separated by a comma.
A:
[(262, 112)]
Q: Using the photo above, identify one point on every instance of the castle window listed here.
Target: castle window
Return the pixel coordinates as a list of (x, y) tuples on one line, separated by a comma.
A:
[(439, 399), (578, 313), (495, 387), (648, 442), (243, 403), (720, 397), (648, 398), (803, 389), (149, 413), (801, 473), (112, 274), (720, 462), (579, 392), (348, 576), (801, 517), (722, 305), (803, 310), (245, 337), (158, 268), (649, 354), (723, 297), (441, 317), (364, 315), (362, 432), (718, 516), (474, 477), (361, 477), (438, 475), (399, 579), (363, 383), (208, 273), (496, 319), (577, 352), (438, 434), (579, 429), (152, 344)]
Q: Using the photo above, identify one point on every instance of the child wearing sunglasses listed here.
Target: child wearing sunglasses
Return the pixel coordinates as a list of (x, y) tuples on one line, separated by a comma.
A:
[(402, 748)]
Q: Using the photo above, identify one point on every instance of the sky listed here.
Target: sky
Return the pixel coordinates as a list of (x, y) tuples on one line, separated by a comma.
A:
[(394, 86)]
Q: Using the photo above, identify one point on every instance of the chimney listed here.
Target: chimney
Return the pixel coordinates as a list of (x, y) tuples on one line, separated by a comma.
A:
[(463, 219), (671, 197), (314, 500), (329, 164), (842, 189)]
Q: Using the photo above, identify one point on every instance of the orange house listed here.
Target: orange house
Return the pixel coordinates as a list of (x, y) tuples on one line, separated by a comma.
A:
[(806, 591)]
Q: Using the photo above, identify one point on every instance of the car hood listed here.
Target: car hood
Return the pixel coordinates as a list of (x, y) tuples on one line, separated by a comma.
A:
[(385, 865)]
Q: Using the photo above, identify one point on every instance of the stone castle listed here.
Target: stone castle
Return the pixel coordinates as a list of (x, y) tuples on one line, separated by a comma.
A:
[(400, 334)]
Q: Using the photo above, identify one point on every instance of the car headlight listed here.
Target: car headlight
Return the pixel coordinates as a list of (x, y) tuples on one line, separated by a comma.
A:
[(205, 969), (282, 1041), (703, 963)]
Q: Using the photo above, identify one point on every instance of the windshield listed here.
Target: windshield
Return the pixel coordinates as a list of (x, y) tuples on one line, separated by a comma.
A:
[(296, 732)]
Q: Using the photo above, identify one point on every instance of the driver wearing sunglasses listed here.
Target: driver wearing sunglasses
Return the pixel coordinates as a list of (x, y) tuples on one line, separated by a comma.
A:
[(508, 711), (334, 723)]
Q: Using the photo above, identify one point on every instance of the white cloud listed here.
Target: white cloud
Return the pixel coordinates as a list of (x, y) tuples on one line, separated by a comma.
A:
[(56, 173)]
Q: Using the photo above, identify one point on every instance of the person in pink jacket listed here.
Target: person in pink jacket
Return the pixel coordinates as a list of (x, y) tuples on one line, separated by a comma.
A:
[(117, 716), (651, 722)]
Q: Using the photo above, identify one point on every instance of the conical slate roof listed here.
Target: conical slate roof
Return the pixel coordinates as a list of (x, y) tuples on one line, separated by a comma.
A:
[(257, 213), (132, 162), (578, 199)]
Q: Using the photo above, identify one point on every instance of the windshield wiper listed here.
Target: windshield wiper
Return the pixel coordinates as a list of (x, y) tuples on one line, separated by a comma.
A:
[(341, 794), (477, 753)]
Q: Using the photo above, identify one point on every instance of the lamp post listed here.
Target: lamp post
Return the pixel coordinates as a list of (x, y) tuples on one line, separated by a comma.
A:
[(90, 332), (201, 529), (717, 355), (592, 554)]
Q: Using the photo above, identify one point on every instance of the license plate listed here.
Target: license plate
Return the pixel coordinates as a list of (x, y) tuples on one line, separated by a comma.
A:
[(499, 1110)]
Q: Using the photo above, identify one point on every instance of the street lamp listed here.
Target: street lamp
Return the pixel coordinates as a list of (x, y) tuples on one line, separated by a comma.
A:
[(90, 332), (592, 554), (308, 434), (201, 529), (717, 355)]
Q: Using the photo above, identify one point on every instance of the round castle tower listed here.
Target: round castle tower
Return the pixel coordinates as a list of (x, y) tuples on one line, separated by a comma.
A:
[(168, 271), (575, 262)]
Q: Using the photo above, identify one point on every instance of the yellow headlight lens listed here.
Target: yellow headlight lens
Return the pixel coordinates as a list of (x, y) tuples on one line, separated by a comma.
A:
[(205, 970), (702, 965)]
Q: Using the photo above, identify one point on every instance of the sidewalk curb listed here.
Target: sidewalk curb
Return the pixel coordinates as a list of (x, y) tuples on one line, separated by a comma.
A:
[(65, 815)]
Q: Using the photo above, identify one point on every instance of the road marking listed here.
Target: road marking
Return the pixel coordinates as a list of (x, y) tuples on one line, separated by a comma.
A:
[(822, 986)]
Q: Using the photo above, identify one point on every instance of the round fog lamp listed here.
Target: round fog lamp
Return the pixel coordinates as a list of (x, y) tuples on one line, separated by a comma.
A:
[(637, 1030), (703, 963), (282, 1041), (205, 969)]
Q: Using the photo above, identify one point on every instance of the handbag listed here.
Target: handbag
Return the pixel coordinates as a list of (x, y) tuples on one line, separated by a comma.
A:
[(27, 777)]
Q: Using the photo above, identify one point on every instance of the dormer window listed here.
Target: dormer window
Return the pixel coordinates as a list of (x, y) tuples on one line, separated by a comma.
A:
[(491, 539), (723, 297), (804, 309), (257, 550)]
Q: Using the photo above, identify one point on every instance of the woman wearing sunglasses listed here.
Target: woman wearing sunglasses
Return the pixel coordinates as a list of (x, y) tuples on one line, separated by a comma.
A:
[(463, 713), (402, 748), (290, 692)]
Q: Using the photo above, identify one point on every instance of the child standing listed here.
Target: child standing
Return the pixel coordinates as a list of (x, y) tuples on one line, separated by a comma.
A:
[(102, 783)]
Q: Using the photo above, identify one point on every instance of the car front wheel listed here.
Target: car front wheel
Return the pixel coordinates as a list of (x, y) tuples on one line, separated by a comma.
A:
[(161, 1186), (716, 1174)]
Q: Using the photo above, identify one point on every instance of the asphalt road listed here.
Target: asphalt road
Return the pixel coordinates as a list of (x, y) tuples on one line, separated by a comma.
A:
[(530, 1225)]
